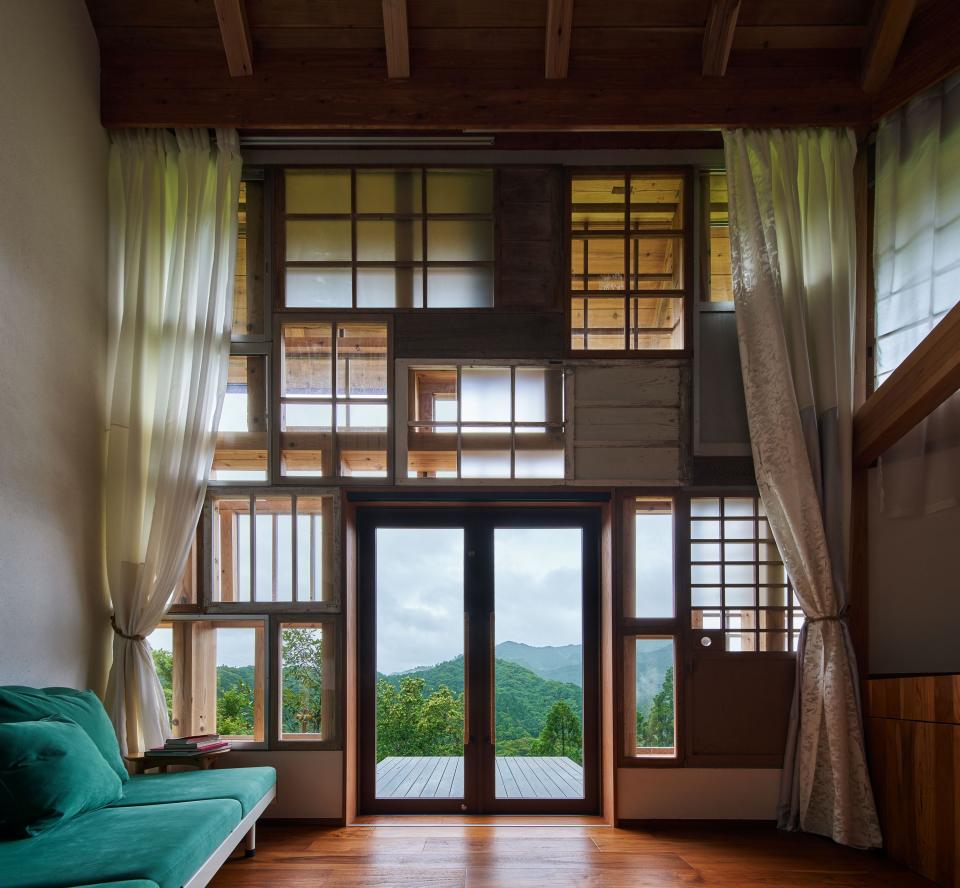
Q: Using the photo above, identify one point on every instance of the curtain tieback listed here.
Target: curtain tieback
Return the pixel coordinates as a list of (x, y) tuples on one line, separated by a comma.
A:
[(839, 617), (113, 623)]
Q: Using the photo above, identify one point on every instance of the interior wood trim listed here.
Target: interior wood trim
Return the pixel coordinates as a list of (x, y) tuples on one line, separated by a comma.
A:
[(925, 379)]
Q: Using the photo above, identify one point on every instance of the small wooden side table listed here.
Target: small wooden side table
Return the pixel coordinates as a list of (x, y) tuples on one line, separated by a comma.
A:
[(204, 761)]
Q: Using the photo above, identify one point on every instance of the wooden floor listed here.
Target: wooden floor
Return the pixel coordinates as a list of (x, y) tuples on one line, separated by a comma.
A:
[(441, 777), (425, 854)]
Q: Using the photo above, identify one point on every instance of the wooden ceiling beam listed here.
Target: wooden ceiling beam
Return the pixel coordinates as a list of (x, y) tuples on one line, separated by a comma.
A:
[(888, 26), (559, 28), (235, 34), (718, 36), (396, 38), (927, 377)]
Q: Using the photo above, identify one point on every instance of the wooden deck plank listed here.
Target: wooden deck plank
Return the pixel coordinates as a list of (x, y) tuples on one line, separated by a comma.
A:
[(441, 777)]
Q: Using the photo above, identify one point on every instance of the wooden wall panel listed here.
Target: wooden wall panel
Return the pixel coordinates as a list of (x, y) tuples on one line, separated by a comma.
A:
[(913, 744), (530, 238), (629, 422), (479, 334)]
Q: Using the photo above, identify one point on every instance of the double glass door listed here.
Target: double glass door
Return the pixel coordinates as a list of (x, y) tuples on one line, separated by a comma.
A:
[(478, 672)]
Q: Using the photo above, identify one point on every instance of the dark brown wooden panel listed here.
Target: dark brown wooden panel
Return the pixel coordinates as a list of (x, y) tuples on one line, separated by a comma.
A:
[(479, 334), (530, 237), (915, 767), (738, 706)]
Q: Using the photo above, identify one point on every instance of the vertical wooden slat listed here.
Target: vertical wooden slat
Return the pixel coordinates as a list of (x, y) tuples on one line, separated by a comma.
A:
[(328, 531), (255, 257), (329, 703), (259, 684), (226, 549)]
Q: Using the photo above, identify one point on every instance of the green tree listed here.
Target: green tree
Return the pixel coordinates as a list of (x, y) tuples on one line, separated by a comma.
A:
[(561, 734), (163, 662), (655, 727), (302, 680), (411, 723), (235, 710)]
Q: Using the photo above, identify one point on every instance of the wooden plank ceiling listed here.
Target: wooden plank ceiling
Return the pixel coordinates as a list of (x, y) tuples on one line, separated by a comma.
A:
[(517, 65)]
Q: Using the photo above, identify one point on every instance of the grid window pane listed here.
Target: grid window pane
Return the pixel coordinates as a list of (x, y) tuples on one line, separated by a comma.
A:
[(627, 247), (479, 421), (716, 275), (752, 607), (653, 567), (366, 239), (241, 451)]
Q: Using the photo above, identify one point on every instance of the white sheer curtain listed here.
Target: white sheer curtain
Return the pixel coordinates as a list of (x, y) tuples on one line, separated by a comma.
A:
[(172, 244), (793, 260), (917, 256)]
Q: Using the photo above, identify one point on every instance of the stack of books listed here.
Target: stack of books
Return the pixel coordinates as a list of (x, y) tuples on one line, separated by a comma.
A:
[(200, 744)]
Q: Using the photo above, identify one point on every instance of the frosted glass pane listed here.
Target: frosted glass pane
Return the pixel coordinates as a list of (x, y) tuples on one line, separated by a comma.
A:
[(539, 394), (318, 240), (484, 463), (485, 394), (389, 288), (538, 464), (653, 565), (389, 240), (319, 288), (306, 361), (317, 191), (362, 361), (306, 416), (388, 191), (702, 507), (459, 241), (460, 288), (459, 191)]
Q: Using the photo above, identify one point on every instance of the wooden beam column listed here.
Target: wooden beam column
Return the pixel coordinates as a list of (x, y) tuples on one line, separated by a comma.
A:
[(559, 27), (927, 377), (718, 36), (888, 26), (235, 33), (396, 39)]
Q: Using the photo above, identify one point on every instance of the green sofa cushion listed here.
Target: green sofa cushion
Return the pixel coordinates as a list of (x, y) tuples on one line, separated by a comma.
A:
[(19, 704), (246, 785), (165, 844), (126, 883), (50, 771)]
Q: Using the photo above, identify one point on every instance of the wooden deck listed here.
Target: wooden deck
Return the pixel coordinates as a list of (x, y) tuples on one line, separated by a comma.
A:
[(441, 777)]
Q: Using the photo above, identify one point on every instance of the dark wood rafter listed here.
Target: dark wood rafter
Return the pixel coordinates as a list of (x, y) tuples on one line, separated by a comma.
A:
[(718, 36), (396, 39), (235, 33), (559, 28), (927, 377), (888, 26)]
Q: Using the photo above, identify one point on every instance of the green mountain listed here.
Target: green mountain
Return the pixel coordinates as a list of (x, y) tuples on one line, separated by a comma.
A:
[(653, 661), (523, 697), (564, 663)]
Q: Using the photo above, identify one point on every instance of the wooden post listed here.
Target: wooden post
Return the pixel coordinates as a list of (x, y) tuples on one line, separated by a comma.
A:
[(259, 686), (629, 696), (194, 678), (327, 531), (328, 713)]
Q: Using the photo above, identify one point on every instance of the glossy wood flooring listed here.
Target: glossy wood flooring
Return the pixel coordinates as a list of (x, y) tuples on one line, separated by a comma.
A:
[(523, 855)]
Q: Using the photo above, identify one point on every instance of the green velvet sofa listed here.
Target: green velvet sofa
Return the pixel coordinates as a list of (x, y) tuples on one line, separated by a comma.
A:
[(165, 831)]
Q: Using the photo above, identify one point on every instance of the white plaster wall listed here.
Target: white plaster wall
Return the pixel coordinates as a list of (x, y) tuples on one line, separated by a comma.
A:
[(53, 225), (914, 583), (309, 783), (697, 793)]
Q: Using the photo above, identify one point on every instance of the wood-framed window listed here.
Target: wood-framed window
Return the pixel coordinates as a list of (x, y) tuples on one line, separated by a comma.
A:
[(649, 630), (630, 260), (241, 453), (213, 674), (716, 280), (307, 667), (334, 398), (477, 420), (274, 549), (382, 238), (739, 587)]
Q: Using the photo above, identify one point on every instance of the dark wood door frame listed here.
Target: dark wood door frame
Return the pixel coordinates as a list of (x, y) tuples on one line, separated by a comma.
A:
[(479, 762)]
